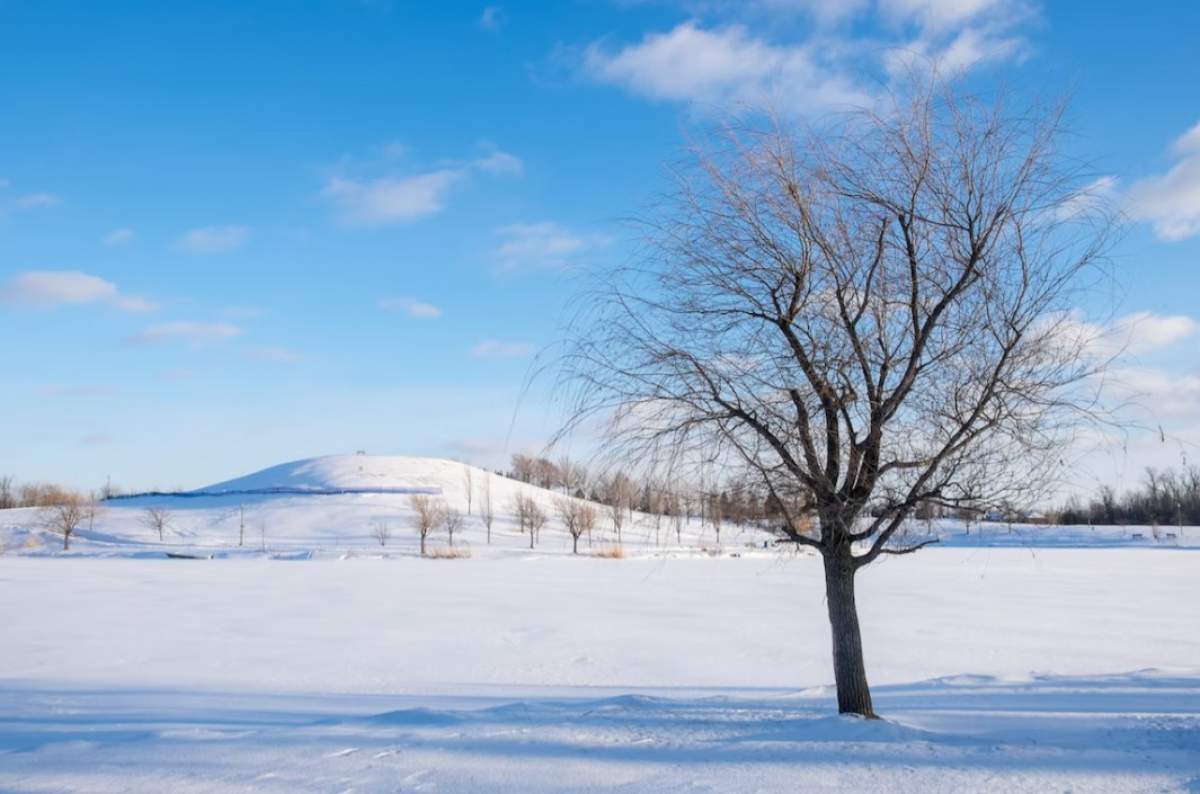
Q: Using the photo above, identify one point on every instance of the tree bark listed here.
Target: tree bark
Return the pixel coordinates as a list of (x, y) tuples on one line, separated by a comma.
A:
[(66, 541), (422, 545), (574, 544), (850, 674)]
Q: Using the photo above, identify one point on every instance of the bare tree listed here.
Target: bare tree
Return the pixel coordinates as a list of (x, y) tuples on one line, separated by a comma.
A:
[(537, 519), (92, 509), (618, 500), (578, 517), (468, 485), (521, 505), (451, 521), (157, 519), (428, 512), (487, 512), (381, 531), (862, 318), (7, 497), (64, 517)]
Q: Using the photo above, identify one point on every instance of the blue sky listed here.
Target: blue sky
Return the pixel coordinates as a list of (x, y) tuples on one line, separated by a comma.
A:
[(233, 234)]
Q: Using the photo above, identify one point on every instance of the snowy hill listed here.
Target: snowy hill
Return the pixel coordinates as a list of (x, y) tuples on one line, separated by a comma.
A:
[(352, 472), (331, 506)]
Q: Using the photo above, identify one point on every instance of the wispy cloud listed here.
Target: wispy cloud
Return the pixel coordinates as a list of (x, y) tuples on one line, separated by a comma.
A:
[(491, 18), (1171, 201), (49, 289), (726, 63), (119, 237), (410, 306), (96, 439), (52, 288), (214, 239), (195, 334), (275, 355), (34, 200), (544, 244), (384, 199), (496, 349)]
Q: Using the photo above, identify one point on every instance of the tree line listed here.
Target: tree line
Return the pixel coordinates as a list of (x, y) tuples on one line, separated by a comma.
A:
[(1164, 496)]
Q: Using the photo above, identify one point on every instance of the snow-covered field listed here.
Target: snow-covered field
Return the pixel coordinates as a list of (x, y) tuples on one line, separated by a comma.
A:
[(1036, 660)]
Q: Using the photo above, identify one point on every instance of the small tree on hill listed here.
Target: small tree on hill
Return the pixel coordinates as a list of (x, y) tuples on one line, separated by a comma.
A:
[(428, 514), (486, 511), (64, 517), (452, 519), (157, 519)]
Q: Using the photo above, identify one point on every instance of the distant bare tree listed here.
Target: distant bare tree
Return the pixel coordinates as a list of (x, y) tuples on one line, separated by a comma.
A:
[(381, 531), (861, 317), (428, 513), (157, 519), (537, 520), (487, 512), (521, 506), (468, 486), (451, 521), (7, 497), (93, 509), (577, 517), (64, 517)]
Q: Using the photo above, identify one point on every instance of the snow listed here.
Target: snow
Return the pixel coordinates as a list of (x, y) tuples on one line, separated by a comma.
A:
[(1037, 660)]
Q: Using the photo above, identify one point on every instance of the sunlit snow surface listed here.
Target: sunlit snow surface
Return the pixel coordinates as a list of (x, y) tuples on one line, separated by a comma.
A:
[(1030, 660)]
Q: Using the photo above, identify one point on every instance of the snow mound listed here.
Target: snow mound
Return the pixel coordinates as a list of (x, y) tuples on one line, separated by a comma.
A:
[(348, 472)]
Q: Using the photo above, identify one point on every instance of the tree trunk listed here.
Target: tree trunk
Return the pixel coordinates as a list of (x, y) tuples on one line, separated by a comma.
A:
[(850, 674), (574, 544), (422, 545), (66, 541)]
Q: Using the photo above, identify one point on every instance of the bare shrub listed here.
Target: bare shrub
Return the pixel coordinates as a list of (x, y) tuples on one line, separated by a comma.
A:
[(381, 531)]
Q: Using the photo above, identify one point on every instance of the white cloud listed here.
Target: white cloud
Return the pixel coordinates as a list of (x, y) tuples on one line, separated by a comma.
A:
[(47, 289), (381, 200), (1165, 394), (119, 237), (722, 67), (498, 162), (275, 355), (33, 200), (1143, 332), (541, 245), (1171, 201), (50, 288), (411, 307), (491, 18), (193, 333), (494, 348), (940, 14), (385, 200), (214, 239), (135, 304), (1134, 334)]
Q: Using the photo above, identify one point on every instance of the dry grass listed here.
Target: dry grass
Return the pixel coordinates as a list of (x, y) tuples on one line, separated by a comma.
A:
[(449, 554), (611, 553)]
